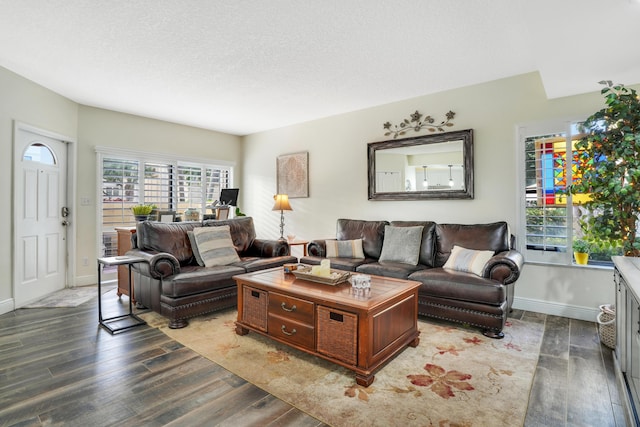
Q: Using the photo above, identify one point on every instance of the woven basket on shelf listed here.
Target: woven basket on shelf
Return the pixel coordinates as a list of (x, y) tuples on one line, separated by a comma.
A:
[(607, 325)]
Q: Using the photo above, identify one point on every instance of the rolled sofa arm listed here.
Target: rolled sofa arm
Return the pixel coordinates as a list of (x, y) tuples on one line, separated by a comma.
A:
[(268, 248), (158, 264), (317, 248), (504, 267)]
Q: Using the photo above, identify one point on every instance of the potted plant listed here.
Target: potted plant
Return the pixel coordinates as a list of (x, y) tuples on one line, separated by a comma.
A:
[(141, 212), (609, 171), (581, 249)]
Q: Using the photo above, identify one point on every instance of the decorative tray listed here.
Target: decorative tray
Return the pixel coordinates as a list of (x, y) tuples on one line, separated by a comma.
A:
[(334, 278)]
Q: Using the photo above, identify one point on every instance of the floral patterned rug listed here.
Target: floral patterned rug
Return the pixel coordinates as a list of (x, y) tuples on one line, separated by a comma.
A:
[(455, 377)]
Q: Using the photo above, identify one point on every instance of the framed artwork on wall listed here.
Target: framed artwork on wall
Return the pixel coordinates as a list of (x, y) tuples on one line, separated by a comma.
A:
[(293, 175)]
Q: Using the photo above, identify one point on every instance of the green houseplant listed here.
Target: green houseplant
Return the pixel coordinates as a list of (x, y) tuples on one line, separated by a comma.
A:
[(581, 250), (141, 212), (610, 169)]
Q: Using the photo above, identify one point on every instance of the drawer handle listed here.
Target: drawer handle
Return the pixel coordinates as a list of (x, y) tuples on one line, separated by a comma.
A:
[(284, 330), (284, 307)]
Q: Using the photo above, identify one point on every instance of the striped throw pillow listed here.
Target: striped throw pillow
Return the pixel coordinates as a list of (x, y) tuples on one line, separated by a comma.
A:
[(468, 260), (344, 248), (215, 246)]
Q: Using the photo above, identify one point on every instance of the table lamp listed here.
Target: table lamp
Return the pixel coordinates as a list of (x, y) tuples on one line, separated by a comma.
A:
[(282, 204)]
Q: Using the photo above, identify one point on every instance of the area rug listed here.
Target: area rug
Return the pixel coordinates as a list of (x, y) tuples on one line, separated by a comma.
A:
[(70, 297), (455, 377)]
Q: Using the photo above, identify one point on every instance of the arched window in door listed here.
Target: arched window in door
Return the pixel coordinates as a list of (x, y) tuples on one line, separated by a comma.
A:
[(38, 152)]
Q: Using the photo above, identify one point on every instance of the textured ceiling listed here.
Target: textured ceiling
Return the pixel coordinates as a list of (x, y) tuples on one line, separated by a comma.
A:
[(245, 66)]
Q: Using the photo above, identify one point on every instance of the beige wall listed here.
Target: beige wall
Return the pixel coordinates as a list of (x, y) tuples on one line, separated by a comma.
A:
[(27, 102), (98, 127), (23, 101), (337, 149), (338, 170)]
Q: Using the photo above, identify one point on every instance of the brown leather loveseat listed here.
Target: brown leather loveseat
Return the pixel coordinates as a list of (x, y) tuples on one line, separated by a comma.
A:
[(173, 283), (481, 298)]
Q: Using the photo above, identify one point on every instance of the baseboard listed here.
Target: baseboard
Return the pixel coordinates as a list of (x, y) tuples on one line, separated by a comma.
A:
[(7, 306), (564, 310), (86, 280)]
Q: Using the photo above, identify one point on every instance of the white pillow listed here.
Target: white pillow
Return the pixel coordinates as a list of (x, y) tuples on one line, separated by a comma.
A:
[(215, 246), (402, 244), (344, 248), (468, 260)]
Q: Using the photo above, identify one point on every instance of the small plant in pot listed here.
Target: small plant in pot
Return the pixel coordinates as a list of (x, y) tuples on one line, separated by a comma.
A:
[(581, 249), (141, 212)]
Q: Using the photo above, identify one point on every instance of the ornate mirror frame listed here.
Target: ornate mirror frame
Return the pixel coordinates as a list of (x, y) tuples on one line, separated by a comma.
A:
[(416, 156)]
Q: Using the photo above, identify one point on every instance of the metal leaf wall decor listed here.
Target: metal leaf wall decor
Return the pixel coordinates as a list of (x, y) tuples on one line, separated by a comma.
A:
[(417, 123)]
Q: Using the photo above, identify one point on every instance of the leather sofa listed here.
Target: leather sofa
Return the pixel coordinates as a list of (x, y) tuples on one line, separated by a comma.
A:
[(481, 300), (172, 283)]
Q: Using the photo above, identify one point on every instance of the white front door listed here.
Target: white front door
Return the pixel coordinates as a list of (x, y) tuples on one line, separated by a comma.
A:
[(40, 244)]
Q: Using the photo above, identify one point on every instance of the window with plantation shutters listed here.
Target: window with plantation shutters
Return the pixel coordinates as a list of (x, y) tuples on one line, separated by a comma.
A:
[(158, 185), (170, 184), (545, 204), (550, 219), (120, 190)]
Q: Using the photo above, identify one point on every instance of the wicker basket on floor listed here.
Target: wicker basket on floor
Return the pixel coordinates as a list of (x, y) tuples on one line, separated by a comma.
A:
[(607, 325)]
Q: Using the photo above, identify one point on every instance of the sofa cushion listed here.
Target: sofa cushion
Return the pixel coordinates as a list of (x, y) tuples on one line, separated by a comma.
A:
[(344, 248), (371, 233), (401, 244), (468, 260), (427, 247), (485, 237), (457, 285), (397, 270), (215, 246), (251, 264), (194, 280), (243, 232), (194, 248)]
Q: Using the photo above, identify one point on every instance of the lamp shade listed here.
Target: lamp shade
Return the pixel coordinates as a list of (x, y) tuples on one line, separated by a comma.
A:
[(282, 203)]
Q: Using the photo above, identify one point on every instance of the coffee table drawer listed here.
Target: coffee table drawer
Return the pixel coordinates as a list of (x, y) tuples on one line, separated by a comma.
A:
[(292, 331), (291, 308)]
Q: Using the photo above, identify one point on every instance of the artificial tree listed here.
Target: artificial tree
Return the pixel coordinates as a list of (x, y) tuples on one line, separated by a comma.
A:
[(610, 171)]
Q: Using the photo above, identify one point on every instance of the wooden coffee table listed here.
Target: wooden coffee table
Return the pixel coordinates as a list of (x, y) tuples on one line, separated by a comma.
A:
[(360, 331)]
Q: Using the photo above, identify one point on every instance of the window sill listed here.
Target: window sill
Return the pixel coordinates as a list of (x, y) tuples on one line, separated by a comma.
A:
[(572, 265)]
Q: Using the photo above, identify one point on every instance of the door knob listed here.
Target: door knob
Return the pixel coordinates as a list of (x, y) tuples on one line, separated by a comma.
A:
[(65, 223)]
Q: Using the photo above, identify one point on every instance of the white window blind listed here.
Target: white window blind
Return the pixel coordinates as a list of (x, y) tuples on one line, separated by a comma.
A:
[(546, 208), (171, 184), (158, 186)]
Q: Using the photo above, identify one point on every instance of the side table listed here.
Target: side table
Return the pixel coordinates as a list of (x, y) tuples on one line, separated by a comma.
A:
[(107, 323)]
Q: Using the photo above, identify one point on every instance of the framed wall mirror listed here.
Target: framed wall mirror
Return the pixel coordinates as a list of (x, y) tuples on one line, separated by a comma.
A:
[(437, 166)]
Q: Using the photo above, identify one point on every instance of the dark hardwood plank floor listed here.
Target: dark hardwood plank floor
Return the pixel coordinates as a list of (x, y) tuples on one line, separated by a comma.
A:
[(57, 367)]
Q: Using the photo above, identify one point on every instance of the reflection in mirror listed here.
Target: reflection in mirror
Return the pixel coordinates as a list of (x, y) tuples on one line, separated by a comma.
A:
[(438, 166)]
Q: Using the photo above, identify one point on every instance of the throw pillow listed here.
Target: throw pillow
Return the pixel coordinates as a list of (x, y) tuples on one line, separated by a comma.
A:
[(469, 260), (401, 244), (344, 248), (194, 248), (215, 246)]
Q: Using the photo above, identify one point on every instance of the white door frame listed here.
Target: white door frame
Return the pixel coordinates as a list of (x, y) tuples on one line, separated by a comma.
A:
[(72, 155)]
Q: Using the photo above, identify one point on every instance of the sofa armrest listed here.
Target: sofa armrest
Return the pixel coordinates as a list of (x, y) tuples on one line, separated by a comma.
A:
[(504, 267), (317, 248), (268, 248), (158, 264)]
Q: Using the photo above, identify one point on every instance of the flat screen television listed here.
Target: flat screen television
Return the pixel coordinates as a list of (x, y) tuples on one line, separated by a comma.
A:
[(229, 196)]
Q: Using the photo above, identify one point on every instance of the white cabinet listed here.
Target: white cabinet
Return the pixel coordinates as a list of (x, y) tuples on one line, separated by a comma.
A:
[(627, 281)]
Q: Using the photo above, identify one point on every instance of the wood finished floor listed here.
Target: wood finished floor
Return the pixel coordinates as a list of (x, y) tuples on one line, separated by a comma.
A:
[(57, 367)]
